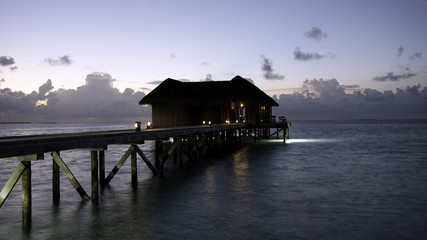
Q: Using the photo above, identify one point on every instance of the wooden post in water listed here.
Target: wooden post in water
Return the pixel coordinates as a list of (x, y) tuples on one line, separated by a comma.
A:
[(180, 163), (101, 168), (26, 195), (55, 181), (255, 134), (69, 175), (134, 171), (94, 170), (157, 152), (175, 153), (285, 133)]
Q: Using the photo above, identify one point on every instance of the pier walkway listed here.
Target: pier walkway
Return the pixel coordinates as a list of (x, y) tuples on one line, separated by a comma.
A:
[(187, 140)]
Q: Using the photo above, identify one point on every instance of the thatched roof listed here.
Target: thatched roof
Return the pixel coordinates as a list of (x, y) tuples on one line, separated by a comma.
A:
[(238, 89)]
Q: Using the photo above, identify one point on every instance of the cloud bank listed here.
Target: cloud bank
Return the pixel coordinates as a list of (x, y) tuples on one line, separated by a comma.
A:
[(99, 101), (268, 71), (96, 101), (326, 99)]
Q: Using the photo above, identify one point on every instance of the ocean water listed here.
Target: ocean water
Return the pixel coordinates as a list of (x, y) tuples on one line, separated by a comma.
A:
[(332, 180)]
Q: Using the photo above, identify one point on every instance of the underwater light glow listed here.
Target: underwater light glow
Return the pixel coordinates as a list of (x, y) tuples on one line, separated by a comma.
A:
[(312, 140)]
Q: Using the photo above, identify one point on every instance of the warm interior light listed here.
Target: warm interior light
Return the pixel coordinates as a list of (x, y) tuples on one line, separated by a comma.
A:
[(227, 121), (148, 124), (137, 126)]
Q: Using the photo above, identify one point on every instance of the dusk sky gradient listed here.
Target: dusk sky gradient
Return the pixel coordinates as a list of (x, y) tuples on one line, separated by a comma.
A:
[(294, 48)]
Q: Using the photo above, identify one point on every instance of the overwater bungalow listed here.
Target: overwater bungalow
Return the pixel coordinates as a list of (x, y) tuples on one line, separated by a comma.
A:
[(175, 103)]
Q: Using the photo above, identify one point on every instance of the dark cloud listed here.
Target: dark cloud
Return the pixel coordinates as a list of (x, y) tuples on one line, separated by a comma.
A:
[(97, 100), (400, 51), (351, 86), (206, 63), (156, 82), (326, 99), (208, 78), (172, 55), (416, 56), (45, 88), (268, 71), (391, 76), (316, 33), (306, 56), (6, 61), (2, 80), (62, 60), (250, 80)]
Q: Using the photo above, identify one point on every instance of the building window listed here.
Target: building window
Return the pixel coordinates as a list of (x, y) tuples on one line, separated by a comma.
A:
[(262, 113)]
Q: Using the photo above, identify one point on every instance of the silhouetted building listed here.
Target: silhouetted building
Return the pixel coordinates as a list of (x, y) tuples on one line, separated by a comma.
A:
[(176, 103)]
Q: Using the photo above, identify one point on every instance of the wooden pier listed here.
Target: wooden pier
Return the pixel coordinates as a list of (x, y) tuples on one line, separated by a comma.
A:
[(187, 141)]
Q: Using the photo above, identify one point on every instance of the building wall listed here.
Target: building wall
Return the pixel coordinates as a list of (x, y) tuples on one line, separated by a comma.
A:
[(171, 115), (175, 114)]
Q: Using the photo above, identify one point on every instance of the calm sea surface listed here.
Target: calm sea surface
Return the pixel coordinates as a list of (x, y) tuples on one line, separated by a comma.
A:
[(333, 180)]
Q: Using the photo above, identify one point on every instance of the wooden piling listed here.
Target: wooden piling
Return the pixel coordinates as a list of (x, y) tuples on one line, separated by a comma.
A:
[(145, 159), (26, 195), (119, 164), (101, 168), (134, 171), (158, 152), (94, 171), (69, 175), (10, 184), (55, 181)]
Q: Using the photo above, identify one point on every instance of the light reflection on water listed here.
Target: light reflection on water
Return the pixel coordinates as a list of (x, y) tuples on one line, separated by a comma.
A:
[(312, 140), (211, 189), (242, 191)]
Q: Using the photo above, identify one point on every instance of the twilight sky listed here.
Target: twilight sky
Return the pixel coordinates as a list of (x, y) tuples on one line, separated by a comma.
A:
[(295, 50)]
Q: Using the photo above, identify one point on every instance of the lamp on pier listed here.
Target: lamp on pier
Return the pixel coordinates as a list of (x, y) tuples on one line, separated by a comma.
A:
[(148, 124), (137, 126), (210, 123), (204, 122)]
